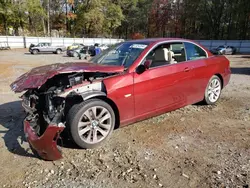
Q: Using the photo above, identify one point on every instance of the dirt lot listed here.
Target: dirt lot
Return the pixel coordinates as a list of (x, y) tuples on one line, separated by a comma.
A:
[(196, 146)]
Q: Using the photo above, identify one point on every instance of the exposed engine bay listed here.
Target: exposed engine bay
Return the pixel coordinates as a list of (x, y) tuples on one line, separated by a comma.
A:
[(49, 104)]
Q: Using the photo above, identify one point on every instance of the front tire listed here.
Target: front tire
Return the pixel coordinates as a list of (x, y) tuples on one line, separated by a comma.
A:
[(34, 52), (213, 90), (91, 122)]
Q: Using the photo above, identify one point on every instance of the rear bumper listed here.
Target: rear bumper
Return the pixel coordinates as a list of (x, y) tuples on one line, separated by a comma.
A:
[(45, 145), (226, 76)]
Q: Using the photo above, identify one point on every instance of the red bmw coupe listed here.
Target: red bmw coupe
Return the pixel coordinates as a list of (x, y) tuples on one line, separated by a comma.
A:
[(129, 82)]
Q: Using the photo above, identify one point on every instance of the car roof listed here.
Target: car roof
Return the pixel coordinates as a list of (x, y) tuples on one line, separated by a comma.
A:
[(153, 40), (159, 40)]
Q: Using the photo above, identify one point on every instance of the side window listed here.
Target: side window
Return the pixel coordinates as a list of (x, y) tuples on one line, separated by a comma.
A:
[(166, 54), (194, 52), (179, 52)]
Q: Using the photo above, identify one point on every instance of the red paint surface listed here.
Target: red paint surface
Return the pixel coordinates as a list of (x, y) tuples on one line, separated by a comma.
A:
[(163, 89), (137, 96), (45, 145)]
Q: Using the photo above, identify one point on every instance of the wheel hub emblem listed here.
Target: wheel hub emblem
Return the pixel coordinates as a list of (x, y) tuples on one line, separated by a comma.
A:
[(94, 123)]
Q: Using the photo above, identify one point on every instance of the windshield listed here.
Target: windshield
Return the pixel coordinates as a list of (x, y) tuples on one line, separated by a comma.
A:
[(122, 54)]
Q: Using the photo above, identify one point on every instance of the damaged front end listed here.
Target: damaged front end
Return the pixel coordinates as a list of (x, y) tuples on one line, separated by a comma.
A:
[(43, 123), (47, 107)]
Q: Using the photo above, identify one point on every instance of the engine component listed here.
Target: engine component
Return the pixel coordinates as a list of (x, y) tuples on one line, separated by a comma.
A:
[(75, 79)]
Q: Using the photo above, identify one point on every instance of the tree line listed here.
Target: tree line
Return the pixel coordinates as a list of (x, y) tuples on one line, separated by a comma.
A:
[(194, 19)]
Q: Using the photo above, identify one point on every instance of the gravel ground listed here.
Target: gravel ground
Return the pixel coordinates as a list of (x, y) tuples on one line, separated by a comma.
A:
[(196, 146)]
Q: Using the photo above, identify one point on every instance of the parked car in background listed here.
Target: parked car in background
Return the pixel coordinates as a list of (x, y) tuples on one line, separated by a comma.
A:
[(92, 50), (4, 46), (103, 47), (224, 50), (129, 82), (84, 54), (74, 52), (81, 52), (75, 45), (45, 47)]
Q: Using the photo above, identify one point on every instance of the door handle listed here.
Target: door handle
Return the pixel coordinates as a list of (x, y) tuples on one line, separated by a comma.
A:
[(187, 69)]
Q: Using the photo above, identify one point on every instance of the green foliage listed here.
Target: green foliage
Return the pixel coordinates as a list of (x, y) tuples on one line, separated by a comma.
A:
[(21, 14), (113, 18), (6, 13)]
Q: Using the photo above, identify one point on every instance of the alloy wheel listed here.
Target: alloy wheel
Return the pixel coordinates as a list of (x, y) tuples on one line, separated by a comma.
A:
[(95, 124), (214, 90)]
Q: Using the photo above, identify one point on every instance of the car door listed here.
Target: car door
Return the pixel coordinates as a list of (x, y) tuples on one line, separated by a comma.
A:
[(49, 47), (162, 87), (45, 47), (42, 47), (196, 58)]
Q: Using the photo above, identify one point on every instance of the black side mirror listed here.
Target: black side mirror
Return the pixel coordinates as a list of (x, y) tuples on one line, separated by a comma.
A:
[(140, 69)]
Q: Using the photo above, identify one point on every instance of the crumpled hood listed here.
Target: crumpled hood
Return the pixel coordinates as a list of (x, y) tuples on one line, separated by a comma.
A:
[(36, 77)]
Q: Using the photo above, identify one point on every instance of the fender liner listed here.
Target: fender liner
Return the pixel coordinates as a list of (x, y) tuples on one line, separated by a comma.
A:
[(90, 94)]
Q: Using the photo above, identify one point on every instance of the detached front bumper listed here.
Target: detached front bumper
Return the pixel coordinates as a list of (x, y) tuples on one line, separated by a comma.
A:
[(45, 145)]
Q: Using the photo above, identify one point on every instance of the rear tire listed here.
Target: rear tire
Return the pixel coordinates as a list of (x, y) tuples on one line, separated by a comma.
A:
[(58, 51), (213, 90), (91, 122)]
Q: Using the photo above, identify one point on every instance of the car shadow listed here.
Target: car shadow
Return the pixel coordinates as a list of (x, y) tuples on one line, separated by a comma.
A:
[(66, 141), (11, 118), (66, 56), (240, 70), (246, 57), (27, 53)]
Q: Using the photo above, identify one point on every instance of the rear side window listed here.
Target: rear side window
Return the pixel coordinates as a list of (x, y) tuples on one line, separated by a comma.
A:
[(194, 52)]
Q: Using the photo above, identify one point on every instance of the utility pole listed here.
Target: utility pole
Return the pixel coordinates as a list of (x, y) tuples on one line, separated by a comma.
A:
[(66, 3), (48, 12)]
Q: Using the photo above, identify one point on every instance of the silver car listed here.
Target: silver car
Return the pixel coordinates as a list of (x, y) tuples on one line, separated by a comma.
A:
[(45, 47), (224, 50)]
